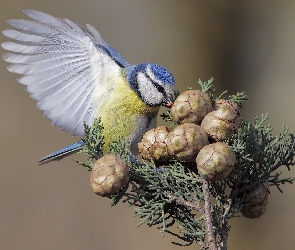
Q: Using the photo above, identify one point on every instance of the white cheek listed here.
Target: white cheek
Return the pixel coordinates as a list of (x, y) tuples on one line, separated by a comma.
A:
[(148, 91)]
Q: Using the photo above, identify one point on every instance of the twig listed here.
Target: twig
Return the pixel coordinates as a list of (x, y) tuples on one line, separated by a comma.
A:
[(224, 235), (183, 202), (225, 226), (203, 246), (208, 216)]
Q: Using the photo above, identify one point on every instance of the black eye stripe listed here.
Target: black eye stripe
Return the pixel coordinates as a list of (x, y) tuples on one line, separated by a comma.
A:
[(159, 87)]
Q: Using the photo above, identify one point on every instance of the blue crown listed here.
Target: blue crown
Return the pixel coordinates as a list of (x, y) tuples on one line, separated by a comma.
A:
[(162, 74)]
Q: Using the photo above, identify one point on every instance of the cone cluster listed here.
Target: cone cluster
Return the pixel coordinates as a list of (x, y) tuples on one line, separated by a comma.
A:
[(203, 126), (198, 138)]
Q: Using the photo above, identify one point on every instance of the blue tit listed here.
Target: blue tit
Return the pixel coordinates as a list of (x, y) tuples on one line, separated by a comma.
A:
[(76, 77)]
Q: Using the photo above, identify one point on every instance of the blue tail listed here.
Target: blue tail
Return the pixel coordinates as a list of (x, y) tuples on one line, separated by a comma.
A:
[(57, 155)]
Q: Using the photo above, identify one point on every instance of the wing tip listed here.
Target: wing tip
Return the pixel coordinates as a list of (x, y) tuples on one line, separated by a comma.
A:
[(3, 45), (29, 11), (4, 32)]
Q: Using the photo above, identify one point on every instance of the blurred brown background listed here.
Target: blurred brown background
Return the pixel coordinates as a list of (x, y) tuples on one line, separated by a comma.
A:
[(245, 45)]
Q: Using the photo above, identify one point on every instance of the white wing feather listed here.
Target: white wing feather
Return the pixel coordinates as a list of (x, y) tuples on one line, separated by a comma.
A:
[(65, 67)]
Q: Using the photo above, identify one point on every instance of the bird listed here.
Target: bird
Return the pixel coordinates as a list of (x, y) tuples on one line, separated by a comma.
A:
[(76, 77)]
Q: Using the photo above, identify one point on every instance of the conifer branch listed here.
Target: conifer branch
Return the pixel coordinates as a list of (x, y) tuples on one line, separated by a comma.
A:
[(173, 192)]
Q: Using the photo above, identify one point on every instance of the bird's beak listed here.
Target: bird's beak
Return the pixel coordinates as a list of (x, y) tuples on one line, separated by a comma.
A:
[(167, 102)]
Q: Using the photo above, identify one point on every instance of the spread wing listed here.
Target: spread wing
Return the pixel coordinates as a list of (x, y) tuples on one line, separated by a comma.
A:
[(66, 68)]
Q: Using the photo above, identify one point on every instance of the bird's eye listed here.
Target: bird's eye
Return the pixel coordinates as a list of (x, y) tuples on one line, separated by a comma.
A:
[(160, 89)]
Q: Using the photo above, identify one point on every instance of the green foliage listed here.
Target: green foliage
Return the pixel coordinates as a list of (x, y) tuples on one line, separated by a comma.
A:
[(167, 117), (259, 156), (208, 88), (165, 196), (93, 143), (239, 98), (171, 195)]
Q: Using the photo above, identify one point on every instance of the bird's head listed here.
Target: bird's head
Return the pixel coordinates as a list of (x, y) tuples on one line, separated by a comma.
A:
[(154, 84)]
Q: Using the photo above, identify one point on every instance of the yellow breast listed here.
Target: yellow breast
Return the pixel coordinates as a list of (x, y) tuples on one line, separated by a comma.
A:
[(121, 111)]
